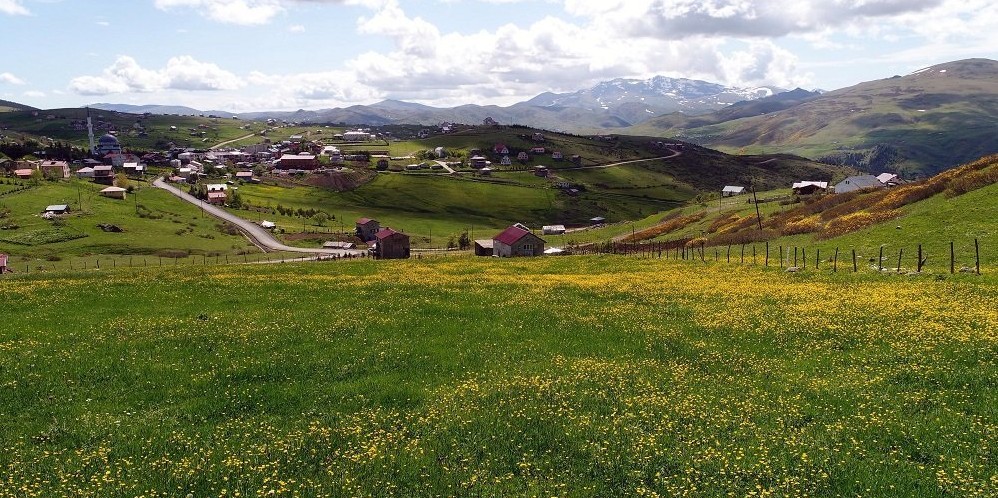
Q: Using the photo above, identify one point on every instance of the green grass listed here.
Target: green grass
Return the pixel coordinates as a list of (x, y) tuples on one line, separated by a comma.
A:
[(154, 223), (570, 376)]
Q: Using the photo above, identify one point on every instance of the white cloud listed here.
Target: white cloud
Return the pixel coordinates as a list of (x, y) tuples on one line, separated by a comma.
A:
[(297, 28), (35, 94), (10, 79), (245, 12), (13, 7), (180, 73)]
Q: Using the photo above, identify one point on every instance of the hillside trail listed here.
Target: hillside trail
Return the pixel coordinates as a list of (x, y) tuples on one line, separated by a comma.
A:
[(259, 236)]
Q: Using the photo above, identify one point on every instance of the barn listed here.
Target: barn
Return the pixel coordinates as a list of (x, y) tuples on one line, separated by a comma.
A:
[(515, 241), (391, 245)]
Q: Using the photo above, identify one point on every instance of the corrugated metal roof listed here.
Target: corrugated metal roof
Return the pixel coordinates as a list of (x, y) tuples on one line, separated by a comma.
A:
[(510, 235)]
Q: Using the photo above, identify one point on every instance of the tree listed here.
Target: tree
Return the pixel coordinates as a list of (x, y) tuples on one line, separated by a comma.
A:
[(321, 218), (451, 242), (464, 242), (121, 180)]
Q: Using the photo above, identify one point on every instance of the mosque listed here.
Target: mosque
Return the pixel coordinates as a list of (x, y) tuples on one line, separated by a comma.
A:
[(108, 144)]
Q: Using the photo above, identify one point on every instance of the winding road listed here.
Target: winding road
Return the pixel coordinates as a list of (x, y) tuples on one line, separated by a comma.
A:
[(259, 236)]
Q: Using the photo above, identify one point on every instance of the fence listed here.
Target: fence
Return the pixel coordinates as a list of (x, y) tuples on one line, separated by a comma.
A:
[(792, 258)]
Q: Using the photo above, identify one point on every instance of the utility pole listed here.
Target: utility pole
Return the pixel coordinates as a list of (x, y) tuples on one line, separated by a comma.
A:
[(755, 200)]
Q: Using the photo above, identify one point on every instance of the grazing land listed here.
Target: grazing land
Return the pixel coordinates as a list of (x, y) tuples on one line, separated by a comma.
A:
[(582, 376)]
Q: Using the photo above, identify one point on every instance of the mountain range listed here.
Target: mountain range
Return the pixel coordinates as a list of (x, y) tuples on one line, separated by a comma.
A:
[(614, 104), (916, 124)]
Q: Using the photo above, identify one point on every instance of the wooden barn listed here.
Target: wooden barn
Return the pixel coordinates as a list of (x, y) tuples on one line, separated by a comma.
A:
[(391, 245), (515, 241), (484, 247)]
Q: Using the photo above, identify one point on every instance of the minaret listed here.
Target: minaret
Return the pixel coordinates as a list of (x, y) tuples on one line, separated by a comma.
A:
[(90, 130)]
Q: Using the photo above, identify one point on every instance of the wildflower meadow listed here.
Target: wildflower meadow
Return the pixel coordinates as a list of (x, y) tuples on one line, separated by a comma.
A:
[(573, 376)]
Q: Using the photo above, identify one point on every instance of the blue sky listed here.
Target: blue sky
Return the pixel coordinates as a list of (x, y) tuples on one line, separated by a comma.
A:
[(244, 55)]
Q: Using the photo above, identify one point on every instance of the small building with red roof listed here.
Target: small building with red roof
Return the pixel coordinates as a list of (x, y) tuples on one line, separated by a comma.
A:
[(3, 263), (517, 241), (390, 244)]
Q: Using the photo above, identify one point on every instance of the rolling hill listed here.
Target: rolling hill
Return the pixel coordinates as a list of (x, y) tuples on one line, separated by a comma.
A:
[(8, 106), (917, 124)]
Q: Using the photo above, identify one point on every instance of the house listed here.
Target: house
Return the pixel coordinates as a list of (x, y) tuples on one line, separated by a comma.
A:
[(541, 171), (356, 136), (500, 149), (537, 137), (216, 197), (888, 179), (478, 162), (515, 241), (523, 157), (24, 173), (506, 161), (54, 169), (85, 172), (133, 169), (858, 182), (440, 152), (557, 156), (808, 188), (538, 150), (598, 220), (484, 247), (486, 171), (244, 176), (553, 229), (216, 187), (367, 228), (3, 263), (114, 192), (732, 190), (391, 244), (297, 161), (57, 209), (185, 173), (104, 174)]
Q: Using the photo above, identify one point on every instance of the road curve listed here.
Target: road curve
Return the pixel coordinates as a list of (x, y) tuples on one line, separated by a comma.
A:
[(257, 234)]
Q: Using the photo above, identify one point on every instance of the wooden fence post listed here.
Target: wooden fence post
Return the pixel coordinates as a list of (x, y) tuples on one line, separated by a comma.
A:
[(729, 253), (920, 260), (817, 258), (781, 257), (767, 254), (900, 253), (880, 260), (753, 255), (742, 260), (835, 261), (795, 256), (854, 267), (803, 256), (977, 255)]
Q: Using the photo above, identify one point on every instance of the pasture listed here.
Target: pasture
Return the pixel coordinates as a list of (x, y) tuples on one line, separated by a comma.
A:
[(579, 376)]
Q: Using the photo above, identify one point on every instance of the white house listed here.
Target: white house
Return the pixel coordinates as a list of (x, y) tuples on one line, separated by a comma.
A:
[(732, 190)]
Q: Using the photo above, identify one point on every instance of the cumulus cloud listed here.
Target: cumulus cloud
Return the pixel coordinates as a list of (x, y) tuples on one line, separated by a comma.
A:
[(248, 12), (125, 75), (10, 79), (677, 19), (35, 94), (13, 7)]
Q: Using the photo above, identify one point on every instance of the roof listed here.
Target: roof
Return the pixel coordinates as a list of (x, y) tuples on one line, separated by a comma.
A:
[(733, 189), (57, 207), (338, 245), (858, 182), (510, 235), (485, 243), (103, 168), (216, 195), (553, 228), (25, 171), (268, 224), (808, 184), (887, 177), (244, 173), (364, 221), (112, 189), (216, 186), (86, 169), (384, 233), (300, 157)]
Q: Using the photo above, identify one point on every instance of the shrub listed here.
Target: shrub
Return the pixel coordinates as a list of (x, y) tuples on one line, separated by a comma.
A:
[(856, 221), (909, 194), (808, 224), (663, 228), (972, 181)]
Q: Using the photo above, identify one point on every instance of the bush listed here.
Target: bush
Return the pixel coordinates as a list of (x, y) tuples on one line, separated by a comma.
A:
[(856, 221), (972, 181), (809, 224)]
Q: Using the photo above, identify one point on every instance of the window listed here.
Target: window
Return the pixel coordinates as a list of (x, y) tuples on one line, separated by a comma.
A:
[(528, 248)]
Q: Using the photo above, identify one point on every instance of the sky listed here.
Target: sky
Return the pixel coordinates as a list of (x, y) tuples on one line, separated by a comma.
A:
[(256, 55)]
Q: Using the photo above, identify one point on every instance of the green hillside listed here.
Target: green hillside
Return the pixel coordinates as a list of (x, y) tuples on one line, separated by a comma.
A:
[(917, 124), (8, 106)]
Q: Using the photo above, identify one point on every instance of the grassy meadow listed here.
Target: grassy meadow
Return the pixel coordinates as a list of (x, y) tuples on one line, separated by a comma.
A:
[(573, 376)]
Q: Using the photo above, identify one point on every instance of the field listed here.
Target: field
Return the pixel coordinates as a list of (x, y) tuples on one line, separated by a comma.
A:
[(154, 223), (599, 376)]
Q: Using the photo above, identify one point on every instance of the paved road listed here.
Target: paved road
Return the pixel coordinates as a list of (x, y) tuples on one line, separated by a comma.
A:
[(256, 234)]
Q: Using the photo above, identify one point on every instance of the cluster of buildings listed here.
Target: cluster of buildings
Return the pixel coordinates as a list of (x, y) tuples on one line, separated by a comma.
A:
[(515, 241), (849, 184)]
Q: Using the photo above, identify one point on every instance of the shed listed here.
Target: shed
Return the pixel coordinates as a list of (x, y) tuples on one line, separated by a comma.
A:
[(57, 209), (808, 187), (515, 241), (391, 244), (484, 247), (3, 263), (114, 192), (23, 173), (858, 182), (732, 190), (598, 220), (367, 228), (553, 229), (85, 172)]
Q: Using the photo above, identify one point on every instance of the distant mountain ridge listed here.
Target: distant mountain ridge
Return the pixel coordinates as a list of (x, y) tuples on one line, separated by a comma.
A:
[(613, 104), (7, 106), (918, 124)]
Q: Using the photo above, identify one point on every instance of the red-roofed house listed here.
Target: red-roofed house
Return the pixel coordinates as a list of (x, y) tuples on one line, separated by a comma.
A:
[(391, 244), (216, 197), (367, 228), (515, 241)]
